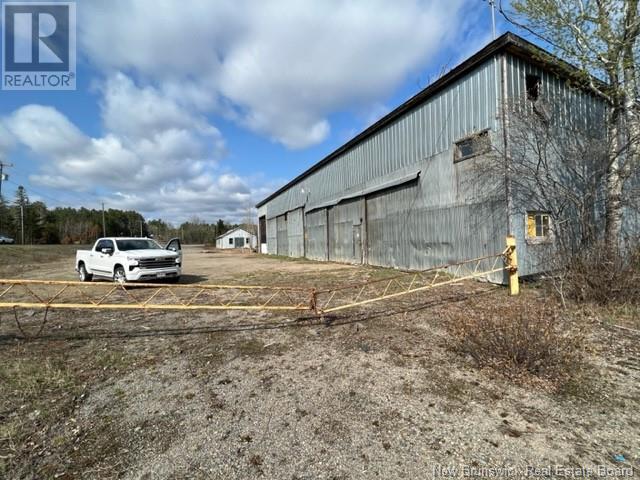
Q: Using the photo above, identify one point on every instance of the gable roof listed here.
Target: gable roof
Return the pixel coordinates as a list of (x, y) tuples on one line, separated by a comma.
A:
[(508, 42), (235, 229)]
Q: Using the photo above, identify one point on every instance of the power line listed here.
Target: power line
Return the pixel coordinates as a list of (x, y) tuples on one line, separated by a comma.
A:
[(36, 192), (57, 200), (84, 197)]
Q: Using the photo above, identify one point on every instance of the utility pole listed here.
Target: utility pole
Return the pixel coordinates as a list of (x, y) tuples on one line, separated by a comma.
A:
[(3, 177), (493, 18), (141, 229), (104, 225), (22, 221)]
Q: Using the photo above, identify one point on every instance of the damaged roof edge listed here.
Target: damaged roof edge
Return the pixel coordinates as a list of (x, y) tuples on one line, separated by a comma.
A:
[(508, 41)]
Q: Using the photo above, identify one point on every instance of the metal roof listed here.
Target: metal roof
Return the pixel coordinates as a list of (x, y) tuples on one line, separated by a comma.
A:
[(510, 42)]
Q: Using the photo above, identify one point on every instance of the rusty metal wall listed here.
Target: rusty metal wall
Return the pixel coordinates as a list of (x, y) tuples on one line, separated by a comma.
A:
[(295, 233), (316, 234), (283, 238)]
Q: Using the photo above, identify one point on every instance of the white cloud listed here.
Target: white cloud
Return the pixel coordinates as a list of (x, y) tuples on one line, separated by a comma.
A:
[(149, 140), (155, 154), (142, 112), (278, 67), (208, 197), (45, 130)]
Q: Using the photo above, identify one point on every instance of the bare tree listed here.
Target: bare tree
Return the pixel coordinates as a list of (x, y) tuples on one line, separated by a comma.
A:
[(601, 38), (555, 165)]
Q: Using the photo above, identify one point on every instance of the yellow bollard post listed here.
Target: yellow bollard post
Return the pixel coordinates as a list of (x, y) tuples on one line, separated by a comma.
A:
[(512, 265)]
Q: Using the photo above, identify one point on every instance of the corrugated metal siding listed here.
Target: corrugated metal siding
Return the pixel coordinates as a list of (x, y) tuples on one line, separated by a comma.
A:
[(446, 216), (573, 111), (573, 108), (295, 233), (405, 233), (467, 106), (316, 234), (345, 231), (532, 257), (283, 238), (272, 236)]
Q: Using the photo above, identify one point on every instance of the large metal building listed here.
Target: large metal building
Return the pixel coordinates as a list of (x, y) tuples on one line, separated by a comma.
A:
[(403, 193)]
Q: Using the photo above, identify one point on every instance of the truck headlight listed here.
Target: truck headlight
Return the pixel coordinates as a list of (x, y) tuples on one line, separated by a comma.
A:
[(132, 260)]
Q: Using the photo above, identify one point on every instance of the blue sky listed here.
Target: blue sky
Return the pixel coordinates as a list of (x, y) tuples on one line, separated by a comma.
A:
[(200, 108)]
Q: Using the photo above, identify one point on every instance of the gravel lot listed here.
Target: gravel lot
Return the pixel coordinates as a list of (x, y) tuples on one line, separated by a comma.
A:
[(378, 393)]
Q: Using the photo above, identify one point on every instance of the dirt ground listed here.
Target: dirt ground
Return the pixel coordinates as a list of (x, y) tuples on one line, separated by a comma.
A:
[(373, 393)]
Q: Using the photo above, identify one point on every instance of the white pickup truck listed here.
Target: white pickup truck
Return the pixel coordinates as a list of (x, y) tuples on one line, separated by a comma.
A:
[(130, 259)]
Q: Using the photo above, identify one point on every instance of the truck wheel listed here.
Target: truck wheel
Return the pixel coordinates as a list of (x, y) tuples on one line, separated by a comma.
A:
[(83, 274), (119, 275)]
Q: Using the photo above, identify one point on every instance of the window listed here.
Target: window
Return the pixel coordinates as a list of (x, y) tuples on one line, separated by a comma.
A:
[(538, 224), (136, 244), (231, 241), (104, 244), (472, 146), (533, 87)]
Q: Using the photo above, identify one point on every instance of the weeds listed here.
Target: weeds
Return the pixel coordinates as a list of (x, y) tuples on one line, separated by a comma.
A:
[(517, 344), (595, 275)]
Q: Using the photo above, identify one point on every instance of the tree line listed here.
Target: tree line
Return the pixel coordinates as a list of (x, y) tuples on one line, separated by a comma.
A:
[(32, 223)]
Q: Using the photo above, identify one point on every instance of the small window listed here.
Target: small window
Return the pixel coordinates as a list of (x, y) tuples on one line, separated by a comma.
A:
[(538, 224), (533, 87), (472, 146), (231, 241)]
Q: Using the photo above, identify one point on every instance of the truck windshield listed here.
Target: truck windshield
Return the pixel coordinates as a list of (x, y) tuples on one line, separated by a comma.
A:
[(135, 244)]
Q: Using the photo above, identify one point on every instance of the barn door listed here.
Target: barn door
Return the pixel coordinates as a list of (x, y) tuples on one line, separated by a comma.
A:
[(357, 243)]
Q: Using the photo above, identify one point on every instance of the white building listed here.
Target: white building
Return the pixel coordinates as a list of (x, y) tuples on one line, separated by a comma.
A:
[(237, 238)]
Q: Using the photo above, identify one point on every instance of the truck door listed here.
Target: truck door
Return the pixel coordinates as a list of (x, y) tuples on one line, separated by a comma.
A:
[(102, 261), (175, 246)]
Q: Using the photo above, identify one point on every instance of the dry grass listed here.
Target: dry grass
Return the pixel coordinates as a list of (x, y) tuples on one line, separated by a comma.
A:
[(32, 378), (15, 255), (36, 388)]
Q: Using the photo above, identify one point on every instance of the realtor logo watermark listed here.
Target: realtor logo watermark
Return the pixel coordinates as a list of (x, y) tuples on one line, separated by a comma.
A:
[(38, 46)]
